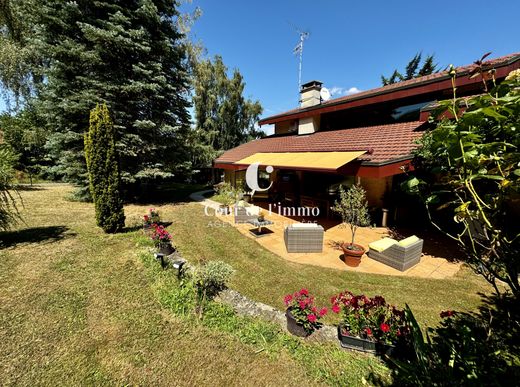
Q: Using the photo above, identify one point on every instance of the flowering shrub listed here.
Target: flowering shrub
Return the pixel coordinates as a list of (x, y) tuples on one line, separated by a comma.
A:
[(160, 235), (301, 305), (370, 318), (152, 217)]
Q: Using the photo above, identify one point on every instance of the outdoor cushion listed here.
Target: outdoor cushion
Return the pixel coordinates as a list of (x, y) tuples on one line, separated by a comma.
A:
[(382, 244), (253, 210), (241, 203), (408, 241)]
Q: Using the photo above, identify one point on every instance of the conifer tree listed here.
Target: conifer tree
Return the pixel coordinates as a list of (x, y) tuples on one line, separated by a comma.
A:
[(412, 70), (103, 170), (128, 54)]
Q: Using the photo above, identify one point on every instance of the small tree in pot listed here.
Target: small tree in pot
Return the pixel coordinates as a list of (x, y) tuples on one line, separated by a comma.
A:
[(353, 209)]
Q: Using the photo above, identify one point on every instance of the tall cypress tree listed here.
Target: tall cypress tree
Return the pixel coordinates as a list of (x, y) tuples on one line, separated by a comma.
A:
[(103, 170), (128, 54)]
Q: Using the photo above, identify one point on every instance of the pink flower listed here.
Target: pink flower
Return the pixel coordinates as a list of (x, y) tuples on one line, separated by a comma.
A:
[(312, 318), (304, 292), (447, 313), (368, 331), (323, 312), (335, 308), (385, 327), (303, 304), (287, 299)]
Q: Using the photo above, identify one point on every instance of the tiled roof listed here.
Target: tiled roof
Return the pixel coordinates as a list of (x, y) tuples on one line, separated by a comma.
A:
[(432, 78), (386, 142)]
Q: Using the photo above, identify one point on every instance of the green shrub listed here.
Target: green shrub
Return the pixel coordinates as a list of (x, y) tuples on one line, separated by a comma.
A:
[(8, 210), (209, 279), (103, 170)]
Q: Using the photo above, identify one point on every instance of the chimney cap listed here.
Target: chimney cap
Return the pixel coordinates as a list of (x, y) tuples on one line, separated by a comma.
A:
[(310, 84)]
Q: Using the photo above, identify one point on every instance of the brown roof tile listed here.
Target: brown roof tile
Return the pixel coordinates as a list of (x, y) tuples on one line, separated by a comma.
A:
[(387, 142)]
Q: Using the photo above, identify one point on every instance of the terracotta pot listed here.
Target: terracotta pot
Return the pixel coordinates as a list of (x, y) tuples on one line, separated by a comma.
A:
[(352, 257), (293, 326)]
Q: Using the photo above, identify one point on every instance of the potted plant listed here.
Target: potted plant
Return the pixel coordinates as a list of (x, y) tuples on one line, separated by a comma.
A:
[(368, 324), (151, 218), (302, 315), (162, 240), (261, 216), (353, 209)]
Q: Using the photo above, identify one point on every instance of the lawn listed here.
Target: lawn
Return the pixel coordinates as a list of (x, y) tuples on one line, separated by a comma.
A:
[(81, 307)]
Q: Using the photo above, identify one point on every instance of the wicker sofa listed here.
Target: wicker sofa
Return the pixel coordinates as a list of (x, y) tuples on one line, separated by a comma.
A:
[(400, 255), (244, 214), (304, 238)]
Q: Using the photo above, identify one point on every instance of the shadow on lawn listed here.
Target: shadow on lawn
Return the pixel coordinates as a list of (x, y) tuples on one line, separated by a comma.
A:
[(48, 234)]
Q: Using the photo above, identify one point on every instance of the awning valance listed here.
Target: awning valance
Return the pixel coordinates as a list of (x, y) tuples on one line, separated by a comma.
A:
[(305, 160)]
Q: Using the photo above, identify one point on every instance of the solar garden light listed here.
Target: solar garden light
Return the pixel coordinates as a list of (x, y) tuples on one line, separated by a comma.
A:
[(178, 265), (161, 257)]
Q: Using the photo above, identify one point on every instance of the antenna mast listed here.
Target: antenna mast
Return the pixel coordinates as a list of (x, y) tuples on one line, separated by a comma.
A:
[(299, 50)]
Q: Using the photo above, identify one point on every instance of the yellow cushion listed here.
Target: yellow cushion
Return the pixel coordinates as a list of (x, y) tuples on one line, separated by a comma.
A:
[(382, 244), (408, 241)]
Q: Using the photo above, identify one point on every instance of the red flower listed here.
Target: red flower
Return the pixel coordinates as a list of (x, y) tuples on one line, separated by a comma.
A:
[(335, 308), (323, 312), (312, 318), (368, 331), (447, 313), (287, 299), (303, 304), (385, 327), (146, 217), (304, 292)]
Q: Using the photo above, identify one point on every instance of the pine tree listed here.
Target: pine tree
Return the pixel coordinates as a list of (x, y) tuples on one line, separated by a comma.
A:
[(412, 70), (125, 53), (103, 170)]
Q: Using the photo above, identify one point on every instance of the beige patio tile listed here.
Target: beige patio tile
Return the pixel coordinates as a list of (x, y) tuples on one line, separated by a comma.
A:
[(429, 267)]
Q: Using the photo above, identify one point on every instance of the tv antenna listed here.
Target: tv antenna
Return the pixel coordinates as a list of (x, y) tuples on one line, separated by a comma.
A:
[(298, 50)]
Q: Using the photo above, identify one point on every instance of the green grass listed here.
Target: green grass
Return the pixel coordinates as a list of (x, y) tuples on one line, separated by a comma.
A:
[(266, 277), (78, 307), (81, 307)]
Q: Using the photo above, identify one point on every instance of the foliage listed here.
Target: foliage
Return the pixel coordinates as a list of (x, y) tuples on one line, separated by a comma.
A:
[(103, 170), (152, 217), (160, 235), (26, 138), (353, 209), (227, 194), (473, 165), (412, 70), (209, 279), (8, 209), (305, 312), (224, 118), (370, 318), (126, 54), (465, 350)]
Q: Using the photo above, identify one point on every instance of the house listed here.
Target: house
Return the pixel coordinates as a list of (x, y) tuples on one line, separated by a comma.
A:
[(366, 137)]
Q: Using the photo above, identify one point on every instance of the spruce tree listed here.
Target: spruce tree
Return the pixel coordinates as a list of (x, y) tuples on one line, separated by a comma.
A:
[(412, 70), (128, 54), (103, 170)]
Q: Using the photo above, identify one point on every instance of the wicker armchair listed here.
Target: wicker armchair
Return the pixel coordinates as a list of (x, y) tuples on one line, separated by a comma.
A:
[(397, 256), (304, 238)]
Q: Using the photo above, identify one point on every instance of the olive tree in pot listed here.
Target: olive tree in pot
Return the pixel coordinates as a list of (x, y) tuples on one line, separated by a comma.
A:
[(353, 209)]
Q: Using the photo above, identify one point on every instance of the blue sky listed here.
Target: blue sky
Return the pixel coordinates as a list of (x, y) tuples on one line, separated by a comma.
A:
[(351, 43)]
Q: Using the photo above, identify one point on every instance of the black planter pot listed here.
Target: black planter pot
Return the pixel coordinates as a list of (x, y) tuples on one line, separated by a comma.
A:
[(363, 345), (293, 326), (166, 249)]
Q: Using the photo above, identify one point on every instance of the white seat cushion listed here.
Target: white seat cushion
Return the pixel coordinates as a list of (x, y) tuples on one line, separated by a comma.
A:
[(408, 241)]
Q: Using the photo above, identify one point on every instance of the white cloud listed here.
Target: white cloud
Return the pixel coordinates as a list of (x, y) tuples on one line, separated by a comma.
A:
[(337, 91)]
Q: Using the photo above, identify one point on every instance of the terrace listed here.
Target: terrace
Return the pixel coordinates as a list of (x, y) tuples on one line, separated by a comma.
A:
[(437, 262)]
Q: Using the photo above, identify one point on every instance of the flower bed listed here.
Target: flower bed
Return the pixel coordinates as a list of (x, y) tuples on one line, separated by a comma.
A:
[(369, 324), (302, 315)]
